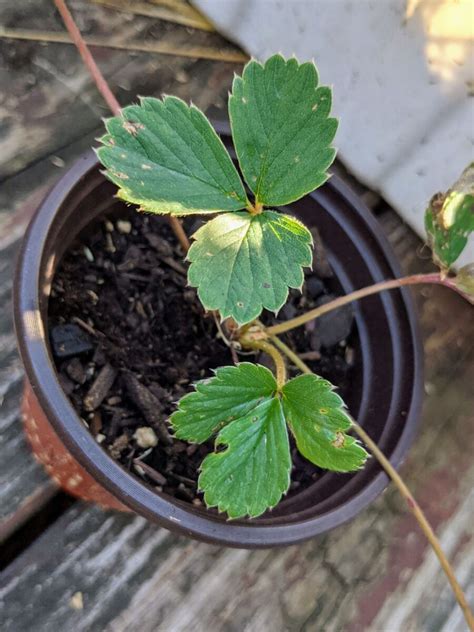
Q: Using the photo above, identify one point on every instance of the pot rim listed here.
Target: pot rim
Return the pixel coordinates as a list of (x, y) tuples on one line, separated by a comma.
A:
[(42, 375)]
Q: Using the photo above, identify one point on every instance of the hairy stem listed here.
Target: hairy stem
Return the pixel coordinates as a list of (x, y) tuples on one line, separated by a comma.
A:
[(106, 92), (413, 506), (275, 355), (291, 355), (354, 296)]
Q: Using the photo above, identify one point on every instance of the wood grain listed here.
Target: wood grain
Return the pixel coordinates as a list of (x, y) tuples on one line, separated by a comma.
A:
[(376, 573), (50, 116)]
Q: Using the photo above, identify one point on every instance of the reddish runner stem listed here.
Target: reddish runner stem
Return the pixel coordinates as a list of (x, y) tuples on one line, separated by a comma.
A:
[(107, 94), (412, 505), (86, 55), (425, 526), (354, 296)]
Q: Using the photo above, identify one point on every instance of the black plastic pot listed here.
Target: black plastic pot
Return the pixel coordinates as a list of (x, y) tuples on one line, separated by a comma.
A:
[(385, 397)]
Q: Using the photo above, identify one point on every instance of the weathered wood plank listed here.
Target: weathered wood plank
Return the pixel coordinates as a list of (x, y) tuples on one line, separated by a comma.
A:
[(46, 86), (377, 573), (47, 89)]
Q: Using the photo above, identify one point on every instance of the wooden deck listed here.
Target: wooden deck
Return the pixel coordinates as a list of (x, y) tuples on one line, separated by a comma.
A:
[(76, 567)]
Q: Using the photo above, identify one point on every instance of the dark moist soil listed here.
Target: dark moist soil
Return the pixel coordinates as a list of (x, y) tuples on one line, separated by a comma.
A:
[(130, 338)]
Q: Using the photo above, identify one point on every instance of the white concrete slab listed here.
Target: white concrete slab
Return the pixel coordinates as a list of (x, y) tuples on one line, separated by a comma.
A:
[(403, 78)]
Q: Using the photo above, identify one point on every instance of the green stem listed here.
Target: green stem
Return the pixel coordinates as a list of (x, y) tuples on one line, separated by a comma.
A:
[(354, 296), (275, 355), (413, 506), (291, 355)]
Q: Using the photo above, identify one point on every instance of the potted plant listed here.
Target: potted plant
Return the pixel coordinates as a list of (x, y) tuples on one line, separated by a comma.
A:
[(251, 424)]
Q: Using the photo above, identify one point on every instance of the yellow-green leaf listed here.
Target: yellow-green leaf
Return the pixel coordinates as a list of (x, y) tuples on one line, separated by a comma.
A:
[(449, 220)]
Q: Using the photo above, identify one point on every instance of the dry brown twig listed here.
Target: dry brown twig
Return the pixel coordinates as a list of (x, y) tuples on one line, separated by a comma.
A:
[(147, 46), (169, 10)]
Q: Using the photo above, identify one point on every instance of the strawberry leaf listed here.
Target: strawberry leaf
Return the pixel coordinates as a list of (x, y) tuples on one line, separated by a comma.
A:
[(245, 407), (253, 473), (230, 394), (241, 263), (318, 421), (165, 157), (464, 281), (449, 220), (281, 128)]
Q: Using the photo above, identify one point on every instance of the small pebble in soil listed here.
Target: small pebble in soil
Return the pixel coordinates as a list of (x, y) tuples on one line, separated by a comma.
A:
[(69, 340), (335, 326), (124, 226), (145, 437), (75, 370)]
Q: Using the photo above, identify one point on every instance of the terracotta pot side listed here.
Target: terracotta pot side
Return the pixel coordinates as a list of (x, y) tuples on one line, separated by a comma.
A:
[(49, 450)]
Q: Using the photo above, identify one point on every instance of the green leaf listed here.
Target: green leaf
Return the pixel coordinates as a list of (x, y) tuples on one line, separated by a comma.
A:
[(242, 262), (242, 404), (281, 128), (230, 394), (253, 473), (449, 220), (165, 156), (318, 421), (464, 281)]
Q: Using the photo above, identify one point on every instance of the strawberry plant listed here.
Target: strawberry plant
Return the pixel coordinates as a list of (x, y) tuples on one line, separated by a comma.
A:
[(166, 158)]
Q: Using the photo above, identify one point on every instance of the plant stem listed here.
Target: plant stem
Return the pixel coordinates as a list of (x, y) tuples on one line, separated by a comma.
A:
[(422, 521), (179, 232), (86, 55), (354, 296), (291, 355), (107, 93), (413, 506), (275, 355)]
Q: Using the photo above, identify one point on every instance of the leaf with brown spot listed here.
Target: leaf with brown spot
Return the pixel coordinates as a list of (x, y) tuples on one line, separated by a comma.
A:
[(319, 423)]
